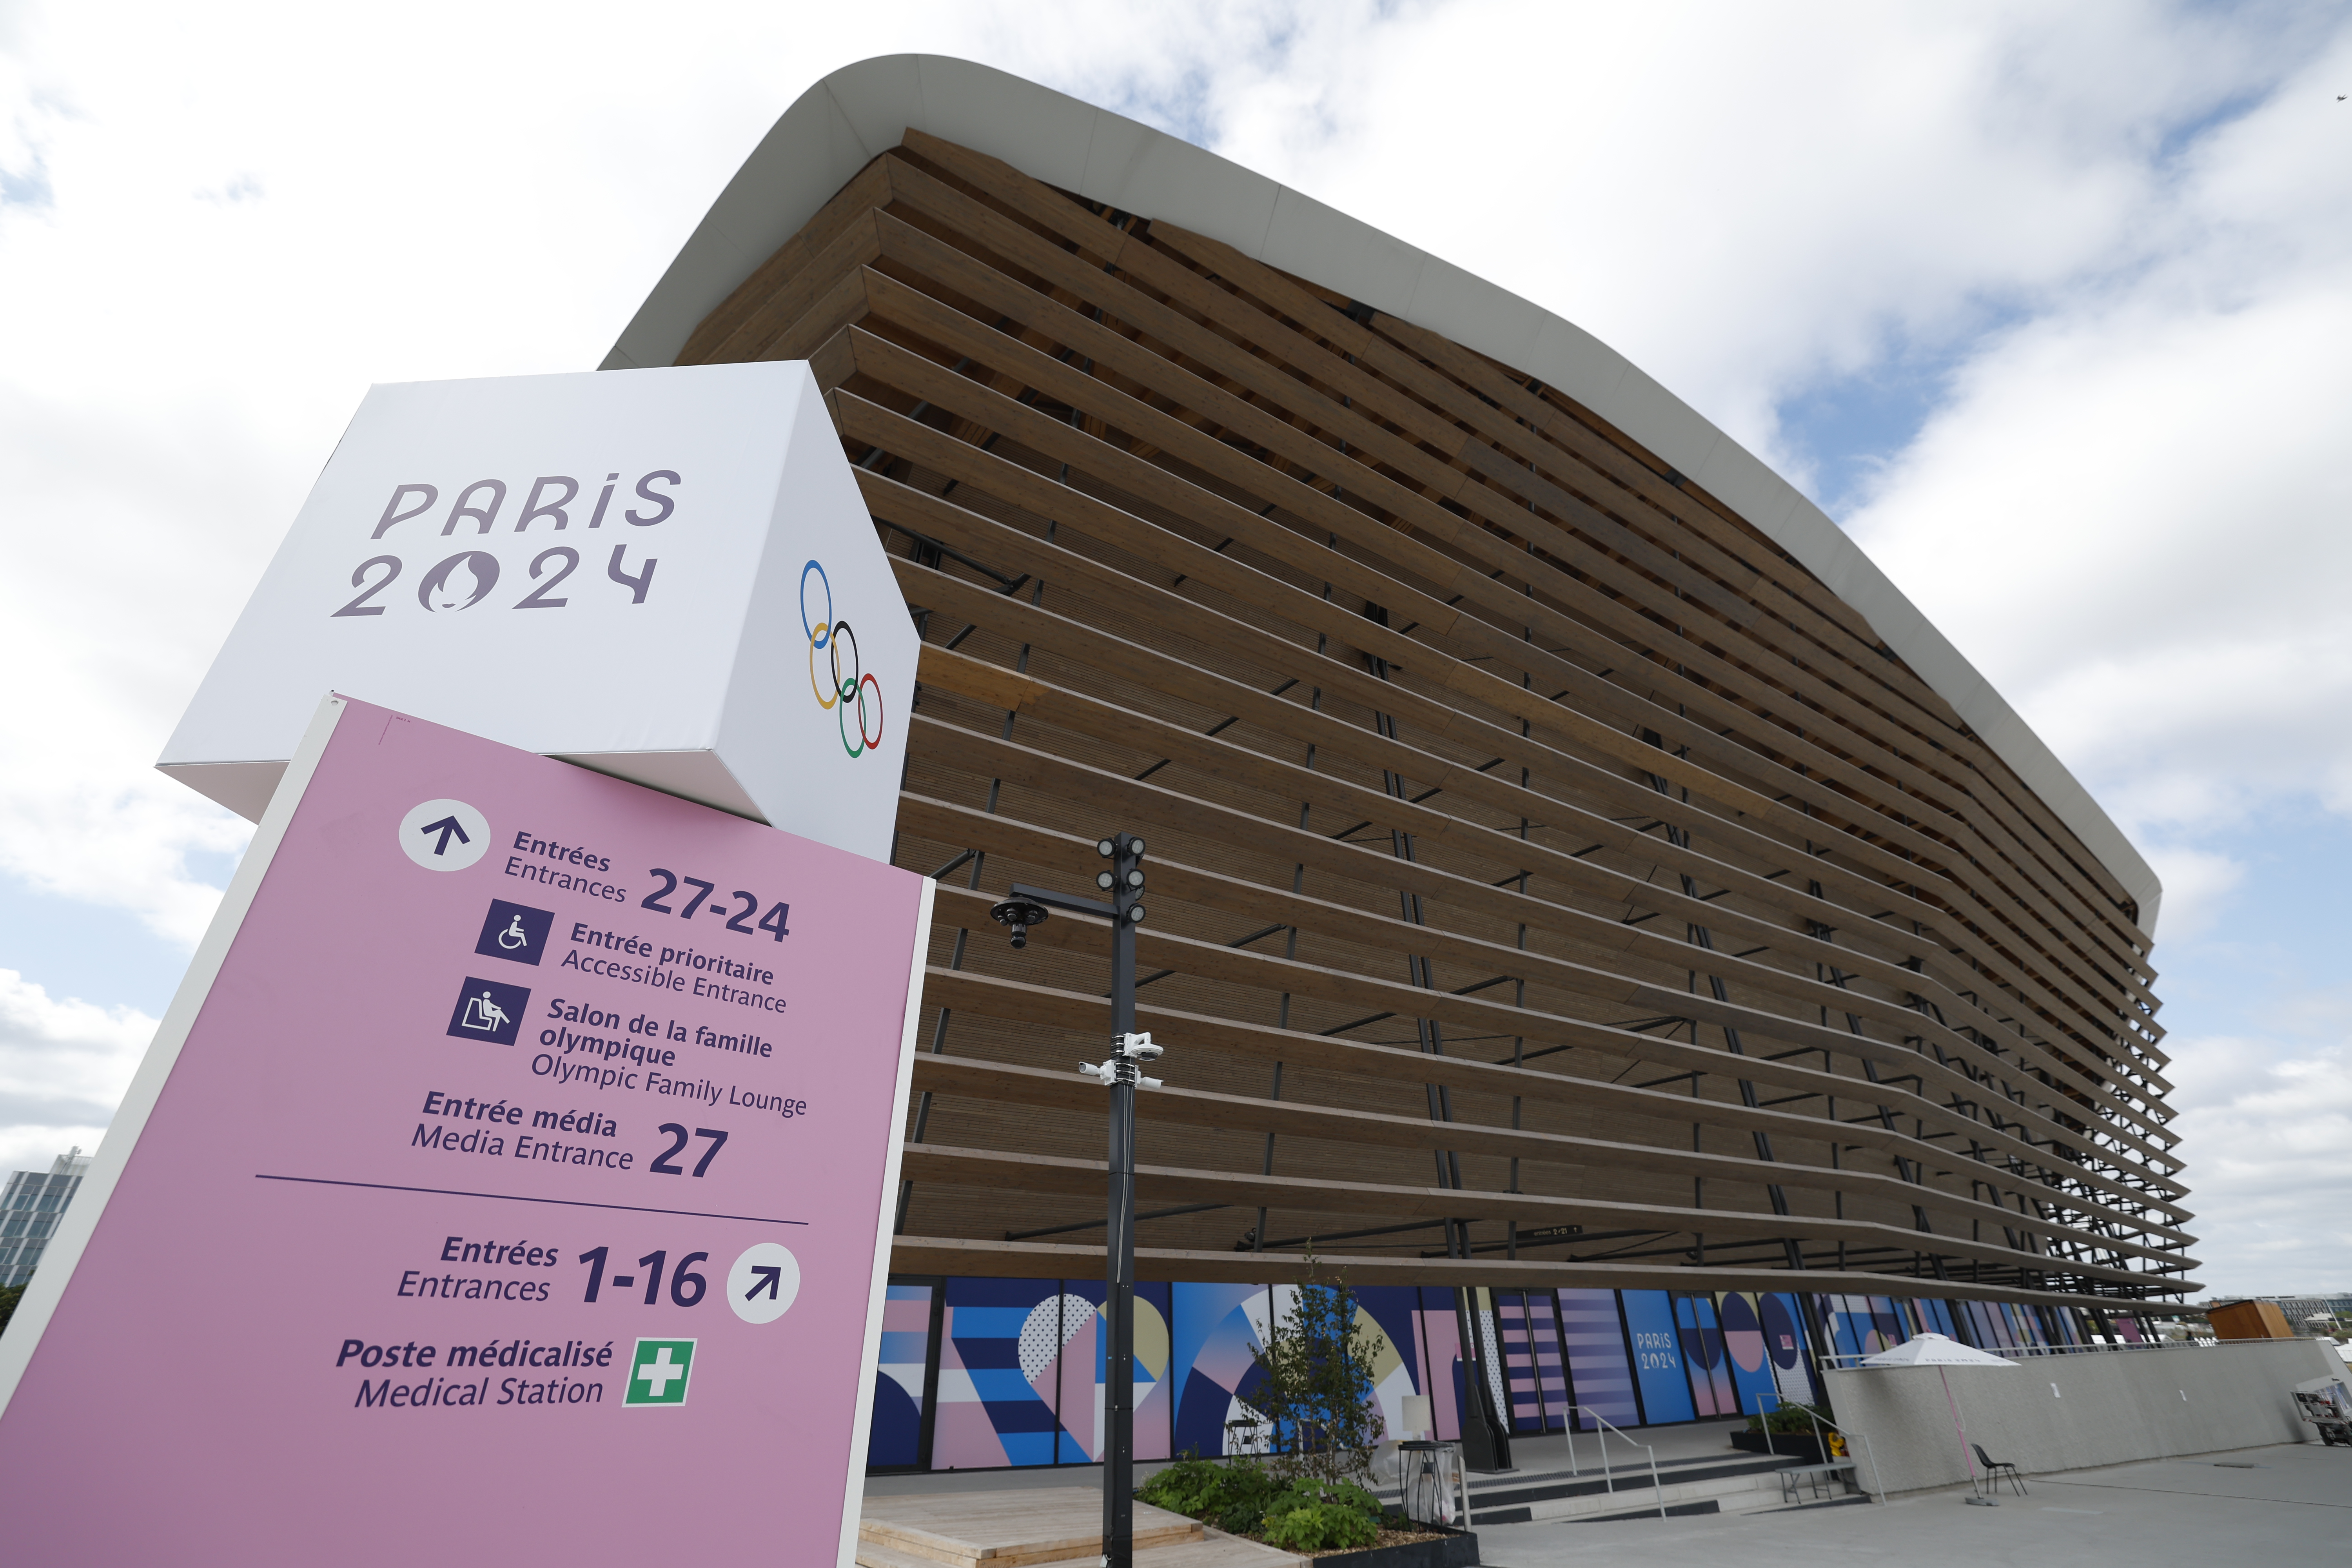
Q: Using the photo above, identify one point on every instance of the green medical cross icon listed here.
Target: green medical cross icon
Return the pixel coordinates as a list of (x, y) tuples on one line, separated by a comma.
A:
[(658, 1372)]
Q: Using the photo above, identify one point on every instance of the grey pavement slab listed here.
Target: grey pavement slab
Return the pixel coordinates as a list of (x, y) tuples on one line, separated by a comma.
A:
[(2288, 1504)]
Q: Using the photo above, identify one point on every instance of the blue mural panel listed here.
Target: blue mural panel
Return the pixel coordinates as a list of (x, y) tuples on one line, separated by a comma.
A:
[(1021, 1363), (1154, 1356), (992, 1411), (1600, 1376), (895, 1435), (1744, 1355), (1658, 1358), (1396, 1372), (1785, 1345), (1703, 1358), (1437, 1331), (1533, 1377), (1214, 1337)]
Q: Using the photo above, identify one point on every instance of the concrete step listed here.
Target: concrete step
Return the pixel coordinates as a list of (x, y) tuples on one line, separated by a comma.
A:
[(1673, 1511), (1520, 1496), (1849, 1502), (1742, 1485), (1543, 1486)]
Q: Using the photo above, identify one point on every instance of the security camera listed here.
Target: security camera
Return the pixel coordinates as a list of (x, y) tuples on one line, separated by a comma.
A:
[(1019, 914)]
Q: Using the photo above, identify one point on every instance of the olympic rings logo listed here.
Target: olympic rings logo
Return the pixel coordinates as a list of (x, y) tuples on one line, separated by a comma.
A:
[(850, 685)]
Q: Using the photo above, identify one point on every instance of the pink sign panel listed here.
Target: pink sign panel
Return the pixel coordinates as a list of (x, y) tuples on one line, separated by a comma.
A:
[(519, 1191)]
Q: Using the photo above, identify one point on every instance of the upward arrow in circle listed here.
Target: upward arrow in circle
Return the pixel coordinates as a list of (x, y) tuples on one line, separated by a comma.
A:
[(446, 827)]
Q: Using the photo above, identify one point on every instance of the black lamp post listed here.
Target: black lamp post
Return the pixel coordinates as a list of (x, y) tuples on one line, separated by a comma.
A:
[(1122, 1072)]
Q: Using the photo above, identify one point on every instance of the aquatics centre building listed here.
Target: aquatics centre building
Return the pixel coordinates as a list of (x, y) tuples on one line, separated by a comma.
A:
[(1589, 905)]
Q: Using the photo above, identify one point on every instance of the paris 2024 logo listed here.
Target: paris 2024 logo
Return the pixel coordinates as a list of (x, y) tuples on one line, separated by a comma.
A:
[(841, 684)]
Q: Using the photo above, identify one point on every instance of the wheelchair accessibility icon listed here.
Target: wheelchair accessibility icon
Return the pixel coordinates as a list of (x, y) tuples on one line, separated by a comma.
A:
[(515, 931), (488, 1011)]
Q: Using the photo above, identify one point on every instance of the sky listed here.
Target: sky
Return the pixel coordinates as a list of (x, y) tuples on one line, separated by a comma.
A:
[(2048, 306)]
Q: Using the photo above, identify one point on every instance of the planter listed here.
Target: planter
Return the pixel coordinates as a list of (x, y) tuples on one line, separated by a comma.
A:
[(1796, 1445), (1452, 1549)]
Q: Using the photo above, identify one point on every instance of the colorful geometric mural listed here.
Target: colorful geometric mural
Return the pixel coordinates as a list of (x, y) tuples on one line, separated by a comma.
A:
[(897, 1430), (1533, 1366), (1017, 1367), (1598, 1368)]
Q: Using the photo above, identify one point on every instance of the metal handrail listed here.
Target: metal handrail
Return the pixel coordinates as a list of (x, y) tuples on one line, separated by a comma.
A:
[(1846, 1361), (1814, 1415), (1608, 1478)]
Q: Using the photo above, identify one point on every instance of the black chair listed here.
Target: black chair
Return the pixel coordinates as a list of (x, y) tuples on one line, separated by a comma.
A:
[(1995, 1468)]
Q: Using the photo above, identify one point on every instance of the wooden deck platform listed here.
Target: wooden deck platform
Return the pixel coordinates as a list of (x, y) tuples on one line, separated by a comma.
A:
[(1015, 1529)]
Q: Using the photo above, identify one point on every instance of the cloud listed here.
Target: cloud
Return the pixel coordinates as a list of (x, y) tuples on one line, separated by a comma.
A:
[(2266, 1128), (63, 1067), (2146, 478), (1745, 200), (2079, 269), (232, 239)]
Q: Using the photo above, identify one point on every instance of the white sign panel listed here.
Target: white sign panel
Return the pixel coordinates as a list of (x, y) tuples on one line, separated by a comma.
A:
[(663, 575)]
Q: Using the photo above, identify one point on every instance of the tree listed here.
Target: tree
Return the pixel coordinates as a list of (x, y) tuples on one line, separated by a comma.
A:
[(1318, 1388), (9, 1296)]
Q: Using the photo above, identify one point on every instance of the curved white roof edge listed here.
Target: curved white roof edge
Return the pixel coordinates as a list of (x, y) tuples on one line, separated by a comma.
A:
[(864, 109)]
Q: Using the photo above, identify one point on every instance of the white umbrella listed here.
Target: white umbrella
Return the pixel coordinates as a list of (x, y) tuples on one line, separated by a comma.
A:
[(1940, 1352)]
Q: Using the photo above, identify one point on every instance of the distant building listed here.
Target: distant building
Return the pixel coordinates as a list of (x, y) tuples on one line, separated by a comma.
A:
[(2297, 1310), (30, 1211)]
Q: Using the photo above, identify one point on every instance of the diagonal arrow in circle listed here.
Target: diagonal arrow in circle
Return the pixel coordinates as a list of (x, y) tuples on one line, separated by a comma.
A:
[(771, 1276)]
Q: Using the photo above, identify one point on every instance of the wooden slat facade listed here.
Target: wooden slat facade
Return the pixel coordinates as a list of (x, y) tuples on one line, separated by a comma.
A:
[(1551, 881)]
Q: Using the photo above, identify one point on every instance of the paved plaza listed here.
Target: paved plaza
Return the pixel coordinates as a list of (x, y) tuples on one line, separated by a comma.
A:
[(2287, 1504)]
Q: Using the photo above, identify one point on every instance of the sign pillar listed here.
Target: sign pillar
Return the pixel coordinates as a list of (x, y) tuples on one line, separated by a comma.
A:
[(518, 1153)]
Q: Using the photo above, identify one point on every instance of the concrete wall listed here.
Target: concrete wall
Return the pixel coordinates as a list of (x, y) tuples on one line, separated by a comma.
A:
[(2069, 1412)]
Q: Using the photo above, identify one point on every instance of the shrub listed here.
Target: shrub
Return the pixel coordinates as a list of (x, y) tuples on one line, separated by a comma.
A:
[(1191, 1486), (1321, 1527), (1242, 1498), (1318, 1391), (1234, 1494), (1318, 1501), (1791, 1418)]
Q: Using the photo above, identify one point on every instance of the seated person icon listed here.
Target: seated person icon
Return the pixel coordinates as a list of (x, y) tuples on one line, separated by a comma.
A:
[(487, 1011), (483, 1013)]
